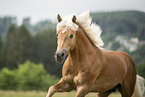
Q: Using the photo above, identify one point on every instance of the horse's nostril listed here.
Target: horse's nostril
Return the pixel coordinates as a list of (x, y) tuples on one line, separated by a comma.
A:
[(59, 56), (62, 54)]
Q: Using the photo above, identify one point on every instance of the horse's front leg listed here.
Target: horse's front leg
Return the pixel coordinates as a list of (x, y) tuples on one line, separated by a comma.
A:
[(61, 86), (82, 91)]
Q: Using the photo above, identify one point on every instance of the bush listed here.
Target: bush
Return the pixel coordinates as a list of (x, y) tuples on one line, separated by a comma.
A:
[(7, 79), (28, 76)]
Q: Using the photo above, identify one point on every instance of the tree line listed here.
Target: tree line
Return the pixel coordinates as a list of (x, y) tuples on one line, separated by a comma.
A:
[(20, 46), (37, 43)]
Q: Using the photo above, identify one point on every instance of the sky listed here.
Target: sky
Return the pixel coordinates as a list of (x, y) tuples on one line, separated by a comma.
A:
[(48, 9)]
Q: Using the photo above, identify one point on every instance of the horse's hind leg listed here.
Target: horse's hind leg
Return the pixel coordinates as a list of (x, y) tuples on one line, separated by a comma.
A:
[(124, 91)]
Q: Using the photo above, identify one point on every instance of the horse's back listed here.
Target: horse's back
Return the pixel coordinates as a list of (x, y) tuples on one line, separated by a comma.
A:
[(122, 57)]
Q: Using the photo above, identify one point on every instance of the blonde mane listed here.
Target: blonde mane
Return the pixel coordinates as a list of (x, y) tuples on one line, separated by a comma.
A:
[(92, 30)]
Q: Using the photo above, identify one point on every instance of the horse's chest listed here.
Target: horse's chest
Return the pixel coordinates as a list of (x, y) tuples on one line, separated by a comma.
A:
[(77, 79), (68, 78), (73, 79)]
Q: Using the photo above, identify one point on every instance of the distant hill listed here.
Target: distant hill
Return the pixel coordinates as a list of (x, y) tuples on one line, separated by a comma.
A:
[(127, 23)]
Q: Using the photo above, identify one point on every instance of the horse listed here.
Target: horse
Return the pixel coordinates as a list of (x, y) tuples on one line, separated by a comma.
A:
[(86, 67)]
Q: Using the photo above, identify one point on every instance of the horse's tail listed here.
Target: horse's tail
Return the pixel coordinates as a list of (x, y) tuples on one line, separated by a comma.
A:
[(139, 87)]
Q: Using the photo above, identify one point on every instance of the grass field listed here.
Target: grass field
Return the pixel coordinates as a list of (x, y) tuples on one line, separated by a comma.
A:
[(43, 94)]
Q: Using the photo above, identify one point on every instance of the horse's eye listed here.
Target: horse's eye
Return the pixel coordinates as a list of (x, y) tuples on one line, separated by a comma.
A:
[(71, 36)]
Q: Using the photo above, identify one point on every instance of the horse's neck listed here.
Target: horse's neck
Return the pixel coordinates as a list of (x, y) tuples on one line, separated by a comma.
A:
[(84, 48)]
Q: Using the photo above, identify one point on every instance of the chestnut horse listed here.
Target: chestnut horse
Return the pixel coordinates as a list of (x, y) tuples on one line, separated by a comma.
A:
[(87, 68)]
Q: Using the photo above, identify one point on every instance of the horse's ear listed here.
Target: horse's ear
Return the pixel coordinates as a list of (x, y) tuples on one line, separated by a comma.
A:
[(74, 19), (59, 18)]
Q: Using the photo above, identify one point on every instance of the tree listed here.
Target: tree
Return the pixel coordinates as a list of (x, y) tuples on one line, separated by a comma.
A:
[(5, 22), (139, 55), (7, 49), (23, 45), (0, 50), (18, 47), (45, 49), (26, 23), (115, 45)]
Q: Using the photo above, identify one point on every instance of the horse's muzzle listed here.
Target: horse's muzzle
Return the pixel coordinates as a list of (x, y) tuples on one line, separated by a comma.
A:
[(59, 57)]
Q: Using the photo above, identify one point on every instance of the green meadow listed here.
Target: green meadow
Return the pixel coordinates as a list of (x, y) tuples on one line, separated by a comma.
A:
[(43, 94)]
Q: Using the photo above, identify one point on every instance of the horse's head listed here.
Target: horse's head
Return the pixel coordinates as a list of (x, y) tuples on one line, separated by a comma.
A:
[(66, 31)]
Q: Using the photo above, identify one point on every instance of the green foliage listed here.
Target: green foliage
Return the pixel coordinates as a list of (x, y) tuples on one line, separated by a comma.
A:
[(39, 26), (7, 49), (45, 48), (108, 38), (18, 47), (115, 45), (28, 76), (141, 69), (0, 48), (7, 79), (128, 23), (139, 55), (42, 25)]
